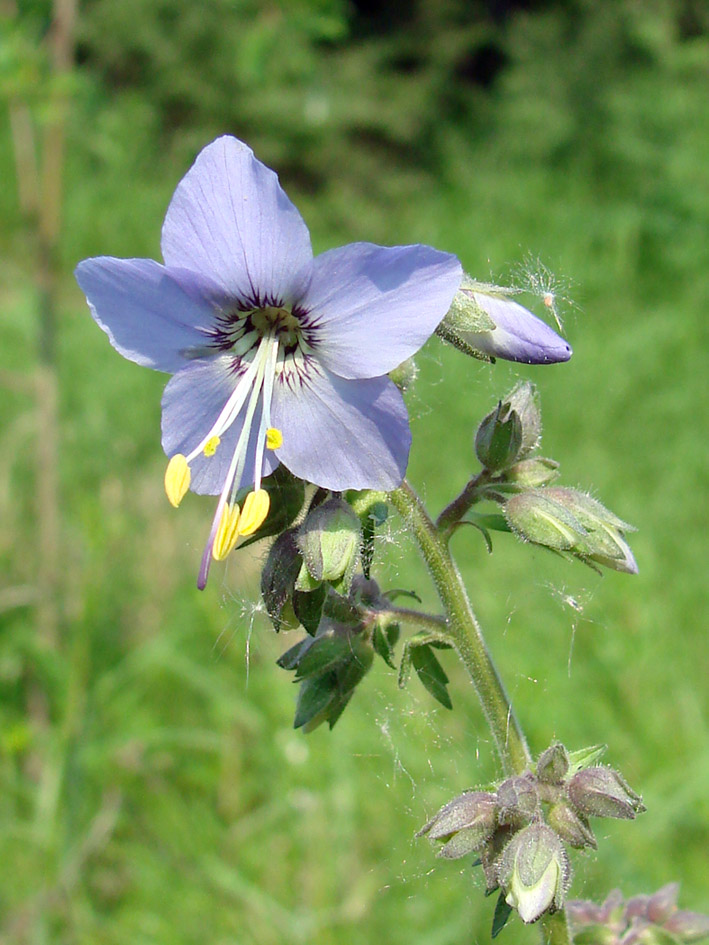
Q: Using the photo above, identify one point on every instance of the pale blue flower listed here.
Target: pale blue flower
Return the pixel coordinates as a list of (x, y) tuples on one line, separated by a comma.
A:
[(276, 356)]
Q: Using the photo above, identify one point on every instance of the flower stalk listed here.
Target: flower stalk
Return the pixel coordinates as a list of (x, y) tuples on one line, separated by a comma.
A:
[(464, 632)]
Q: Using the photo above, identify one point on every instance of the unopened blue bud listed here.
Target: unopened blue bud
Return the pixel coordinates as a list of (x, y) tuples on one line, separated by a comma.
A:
[(485, 322)]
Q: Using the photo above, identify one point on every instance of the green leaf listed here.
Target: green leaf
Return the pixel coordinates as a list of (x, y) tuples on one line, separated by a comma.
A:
[(314, 696), (502, 914), (289, 659), (431, 674), (323, 653), (382, 645), (308, 607)]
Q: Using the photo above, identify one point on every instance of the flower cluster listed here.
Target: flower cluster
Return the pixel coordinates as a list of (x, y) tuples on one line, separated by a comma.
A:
[(641, 920), (567, 521), (519, 830)]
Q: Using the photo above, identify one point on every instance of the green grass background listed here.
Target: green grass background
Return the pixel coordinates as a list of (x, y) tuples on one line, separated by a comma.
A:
[(159, 794)]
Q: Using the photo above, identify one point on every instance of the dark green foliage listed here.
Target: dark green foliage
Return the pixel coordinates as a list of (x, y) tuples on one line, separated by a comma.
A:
[(502, 914), (431, 674)]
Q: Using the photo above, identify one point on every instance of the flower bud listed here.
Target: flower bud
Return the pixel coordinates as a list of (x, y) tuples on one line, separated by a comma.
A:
[(329, 541), (604, 541), (524, 400), (688, 926), (534, 516), (533, 473), (602, 792), (642, 920), (553, 764), (498, 438), (571, 827), (517, 800), (466, 823), (484, 322), (535, 872), (279, 576)]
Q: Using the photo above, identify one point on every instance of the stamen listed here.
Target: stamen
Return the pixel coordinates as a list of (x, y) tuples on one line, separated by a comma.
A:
[(254, 512), (227, 532), (230, 410), (177, 479), (274, 439), (210, 447)]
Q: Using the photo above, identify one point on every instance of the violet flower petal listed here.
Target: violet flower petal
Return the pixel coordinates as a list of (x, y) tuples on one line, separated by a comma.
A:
[(343, 434), (191, 402), (147, 316), (519, 335), (375, 306), (230, 220)]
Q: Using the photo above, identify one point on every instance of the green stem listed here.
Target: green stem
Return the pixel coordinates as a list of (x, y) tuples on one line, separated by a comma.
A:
[(418, 619), (464, 630), (455, 510), (555, 929)]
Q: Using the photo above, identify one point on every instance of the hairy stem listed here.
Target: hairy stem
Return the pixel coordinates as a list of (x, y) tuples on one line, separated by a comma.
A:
[(455, 510), (419, 620), (464, 632), (555, 929)]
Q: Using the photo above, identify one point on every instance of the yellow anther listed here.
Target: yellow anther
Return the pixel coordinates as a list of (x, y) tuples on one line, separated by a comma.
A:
[(274, 438), (210, 447), (227, 532), (254, 512), (177, 479)]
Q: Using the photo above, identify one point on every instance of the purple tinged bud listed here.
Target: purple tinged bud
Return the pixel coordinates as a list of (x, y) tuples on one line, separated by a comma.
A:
[(553, 764), (485, 322), (517, 801), (663, 903), (534, 872), (602, 792), (688, 926), (573, 828), (605, 533), (466, 823)]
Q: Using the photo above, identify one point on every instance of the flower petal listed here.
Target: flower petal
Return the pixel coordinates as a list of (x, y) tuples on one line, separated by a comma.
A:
[(519, 335), (230, 220), (343, 434), (191, 403), (147, 316), (375, 306)]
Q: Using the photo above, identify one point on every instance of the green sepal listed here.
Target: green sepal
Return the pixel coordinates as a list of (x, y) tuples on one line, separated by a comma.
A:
[(308, 607), (383, 645), (585, 758), (431, 674), (305, 581), (279, 576), (322, 654), (289, 659), (287, 495), (314, 696), (502, 914)]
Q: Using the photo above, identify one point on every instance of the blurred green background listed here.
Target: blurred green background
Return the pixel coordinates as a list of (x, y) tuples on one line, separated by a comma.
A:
[(152, 789)]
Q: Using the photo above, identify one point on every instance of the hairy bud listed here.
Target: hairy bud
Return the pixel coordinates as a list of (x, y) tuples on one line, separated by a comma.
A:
[(602, 792), (534, 872)]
